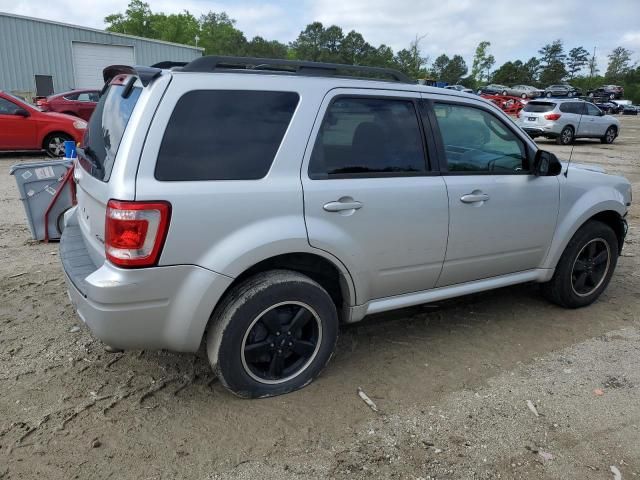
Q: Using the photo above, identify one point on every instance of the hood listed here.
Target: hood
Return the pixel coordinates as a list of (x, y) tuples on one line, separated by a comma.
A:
[(583, 166), (61, 116)]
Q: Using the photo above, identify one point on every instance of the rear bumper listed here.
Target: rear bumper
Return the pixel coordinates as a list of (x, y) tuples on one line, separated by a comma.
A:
[(148, 308), (539, 132)]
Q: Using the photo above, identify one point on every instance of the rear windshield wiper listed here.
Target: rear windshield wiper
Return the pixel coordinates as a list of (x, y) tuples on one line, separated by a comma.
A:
[(90, 155)]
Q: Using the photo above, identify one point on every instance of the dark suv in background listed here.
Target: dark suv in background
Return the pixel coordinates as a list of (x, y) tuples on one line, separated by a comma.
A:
[(612, 92)]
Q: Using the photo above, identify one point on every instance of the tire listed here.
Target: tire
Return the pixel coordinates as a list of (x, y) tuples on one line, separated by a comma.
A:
[(566, 136), (523, 96), (590, 94), (480, 92), (257, 313), (609, 135), (612, 96), (504, 93), (570, 94), (54, 144), (564, 287)]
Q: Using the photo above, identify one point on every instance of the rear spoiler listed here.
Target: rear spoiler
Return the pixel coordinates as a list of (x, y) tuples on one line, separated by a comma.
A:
[(145, 74)]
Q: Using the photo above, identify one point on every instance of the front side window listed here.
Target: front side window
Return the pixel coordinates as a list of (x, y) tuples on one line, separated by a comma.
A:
[(7, 107), (224, 135), (475, 141), (592, 110), (368, 136)]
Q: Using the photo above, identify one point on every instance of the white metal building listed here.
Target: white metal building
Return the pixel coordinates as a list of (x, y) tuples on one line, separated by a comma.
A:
[(42, 55)]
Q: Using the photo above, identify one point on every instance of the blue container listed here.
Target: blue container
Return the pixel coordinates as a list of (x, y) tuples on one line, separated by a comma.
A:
[(69, 149)]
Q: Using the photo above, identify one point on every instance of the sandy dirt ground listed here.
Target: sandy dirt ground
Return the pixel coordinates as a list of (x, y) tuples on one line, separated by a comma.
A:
[(452, 381)]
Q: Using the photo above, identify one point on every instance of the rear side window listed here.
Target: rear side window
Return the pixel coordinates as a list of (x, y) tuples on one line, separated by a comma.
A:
[(572, 107), (365, 136), (105, 130), (539, 107), (224, 135)]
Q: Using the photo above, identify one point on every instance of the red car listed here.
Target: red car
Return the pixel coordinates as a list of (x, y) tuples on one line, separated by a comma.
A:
[(80, 103), (24, 127)]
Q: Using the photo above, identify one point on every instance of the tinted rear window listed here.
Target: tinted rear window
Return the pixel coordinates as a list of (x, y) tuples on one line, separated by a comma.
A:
[(104, 132), (224, 135), (539, 107), (572, 107)]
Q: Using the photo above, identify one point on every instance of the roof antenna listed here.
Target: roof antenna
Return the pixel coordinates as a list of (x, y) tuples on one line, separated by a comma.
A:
[(583, 106)]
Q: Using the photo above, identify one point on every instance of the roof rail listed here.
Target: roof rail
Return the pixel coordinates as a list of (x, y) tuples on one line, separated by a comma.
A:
[(211, 63), (168, 64)]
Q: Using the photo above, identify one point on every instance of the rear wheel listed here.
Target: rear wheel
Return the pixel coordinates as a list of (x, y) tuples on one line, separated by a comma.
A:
[(609, 136), (523, 96), (565, 137), (273, 334), (585, 268), (504, 92), (54, 144), (549, 95)]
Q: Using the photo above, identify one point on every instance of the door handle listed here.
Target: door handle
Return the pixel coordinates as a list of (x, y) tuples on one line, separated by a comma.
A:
[(342, 206), (474, 197)]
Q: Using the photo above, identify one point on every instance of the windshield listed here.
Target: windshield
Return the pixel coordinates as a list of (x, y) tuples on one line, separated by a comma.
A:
[(105, 130)]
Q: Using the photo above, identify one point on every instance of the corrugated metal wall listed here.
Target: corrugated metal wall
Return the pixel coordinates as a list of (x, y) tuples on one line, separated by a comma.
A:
[(30, 47)]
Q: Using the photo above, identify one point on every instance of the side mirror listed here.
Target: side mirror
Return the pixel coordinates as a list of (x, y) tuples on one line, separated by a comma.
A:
[(21, 112), (546, 164)]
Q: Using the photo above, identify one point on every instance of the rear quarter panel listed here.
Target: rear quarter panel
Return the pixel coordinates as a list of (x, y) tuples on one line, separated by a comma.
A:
[(228, 226)]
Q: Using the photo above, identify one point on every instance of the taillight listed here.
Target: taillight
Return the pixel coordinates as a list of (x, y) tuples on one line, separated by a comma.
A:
[(135, 232), (552, 116)]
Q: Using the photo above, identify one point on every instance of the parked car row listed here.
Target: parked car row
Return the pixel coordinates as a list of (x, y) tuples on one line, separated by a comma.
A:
[(610, 92)]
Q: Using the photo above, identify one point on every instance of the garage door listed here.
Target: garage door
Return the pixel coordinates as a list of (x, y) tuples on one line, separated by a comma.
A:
[(90, 58)]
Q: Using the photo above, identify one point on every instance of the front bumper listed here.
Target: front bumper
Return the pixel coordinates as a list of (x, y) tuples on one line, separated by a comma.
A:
[(147, 308)]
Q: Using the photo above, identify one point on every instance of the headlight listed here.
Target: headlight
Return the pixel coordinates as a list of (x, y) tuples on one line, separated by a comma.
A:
[(80, 124)]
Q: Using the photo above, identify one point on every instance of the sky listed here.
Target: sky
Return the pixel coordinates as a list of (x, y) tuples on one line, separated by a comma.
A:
[(516, 29)]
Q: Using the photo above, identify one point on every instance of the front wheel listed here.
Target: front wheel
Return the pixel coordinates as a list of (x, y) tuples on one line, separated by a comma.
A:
[(54, 144), (273, 334), (585, 268), (549, 95), (609, 136)]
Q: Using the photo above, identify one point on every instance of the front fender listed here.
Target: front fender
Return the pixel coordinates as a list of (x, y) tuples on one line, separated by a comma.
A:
[(589, 204)]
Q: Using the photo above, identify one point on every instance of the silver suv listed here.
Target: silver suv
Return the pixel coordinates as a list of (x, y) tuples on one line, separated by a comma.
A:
[(566, 120), (257, 204)]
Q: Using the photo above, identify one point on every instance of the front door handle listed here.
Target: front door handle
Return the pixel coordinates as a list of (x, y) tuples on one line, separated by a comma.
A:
[(342, 205), (474, 197)]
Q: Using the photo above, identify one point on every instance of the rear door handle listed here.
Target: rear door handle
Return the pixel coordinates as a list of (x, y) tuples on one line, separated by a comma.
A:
[(342, 206), (474, 197)]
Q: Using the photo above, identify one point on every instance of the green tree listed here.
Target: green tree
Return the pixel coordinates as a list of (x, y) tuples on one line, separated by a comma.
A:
[(178, 28), (552, 58), (411, 60), (455, 69), (259, 47), (578, 58), (219, 36), (439, 66), (354, 49), (618, 66), (136, 20), (482, 62), (511, 73), (308, 45)]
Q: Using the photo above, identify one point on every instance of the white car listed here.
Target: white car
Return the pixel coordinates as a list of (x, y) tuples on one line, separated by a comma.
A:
[(566, 120)]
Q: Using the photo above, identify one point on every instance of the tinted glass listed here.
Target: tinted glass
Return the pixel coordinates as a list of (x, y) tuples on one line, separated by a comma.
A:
[(7, 107), (572, 107), (224, 135), (105, 130), (539, 107), (476, 141), (368, 136), (83, 97), (71, 96)]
